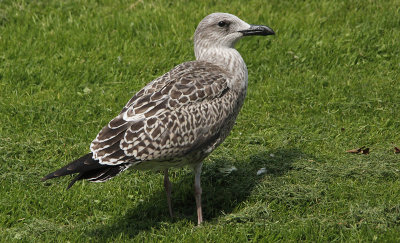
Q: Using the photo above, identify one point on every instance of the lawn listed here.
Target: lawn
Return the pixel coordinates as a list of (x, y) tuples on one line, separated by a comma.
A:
[(327, 82)]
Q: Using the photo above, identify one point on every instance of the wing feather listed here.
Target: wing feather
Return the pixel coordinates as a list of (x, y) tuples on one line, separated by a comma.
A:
[(169, 117)]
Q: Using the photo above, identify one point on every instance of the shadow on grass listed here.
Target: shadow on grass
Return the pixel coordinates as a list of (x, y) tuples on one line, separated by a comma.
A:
[(223, 190)]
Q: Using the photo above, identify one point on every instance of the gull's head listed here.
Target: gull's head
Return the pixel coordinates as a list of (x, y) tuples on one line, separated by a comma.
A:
[(219, 30)]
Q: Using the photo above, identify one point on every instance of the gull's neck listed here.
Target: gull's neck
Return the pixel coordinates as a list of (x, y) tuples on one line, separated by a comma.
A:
[(227, 58)]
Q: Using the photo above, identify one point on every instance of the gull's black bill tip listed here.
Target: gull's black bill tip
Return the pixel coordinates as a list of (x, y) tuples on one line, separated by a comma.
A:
[(258, 30)]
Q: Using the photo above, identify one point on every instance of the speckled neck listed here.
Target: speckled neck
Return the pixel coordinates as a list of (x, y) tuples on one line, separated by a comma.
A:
[(228, 59)]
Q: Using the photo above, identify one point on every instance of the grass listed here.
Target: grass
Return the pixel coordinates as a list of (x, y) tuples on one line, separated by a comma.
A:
[(326, 83)]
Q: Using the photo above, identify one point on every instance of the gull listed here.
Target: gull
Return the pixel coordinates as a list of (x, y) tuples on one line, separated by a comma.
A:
[(179, 118)]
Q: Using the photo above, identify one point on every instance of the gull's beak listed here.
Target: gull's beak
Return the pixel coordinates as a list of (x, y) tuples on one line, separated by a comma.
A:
[(257, 30)]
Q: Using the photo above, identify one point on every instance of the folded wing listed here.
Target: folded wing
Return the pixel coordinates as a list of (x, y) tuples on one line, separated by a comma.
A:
[(168, 118)]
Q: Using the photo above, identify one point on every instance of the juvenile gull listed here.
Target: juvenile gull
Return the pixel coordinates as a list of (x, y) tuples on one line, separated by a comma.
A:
[(179, 118)]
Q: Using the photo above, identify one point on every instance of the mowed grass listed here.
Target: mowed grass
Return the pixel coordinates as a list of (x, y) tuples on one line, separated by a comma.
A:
[(326, 83)]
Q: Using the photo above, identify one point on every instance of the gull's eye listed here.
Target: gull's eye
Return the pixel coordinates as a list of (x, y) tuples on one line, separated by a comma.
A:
[(222, 23)]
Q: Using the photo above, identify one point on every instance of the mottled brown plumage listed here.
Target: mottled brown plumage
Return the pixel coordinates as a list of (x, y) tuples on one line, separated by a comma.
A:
[(178, 118), (172, 117)]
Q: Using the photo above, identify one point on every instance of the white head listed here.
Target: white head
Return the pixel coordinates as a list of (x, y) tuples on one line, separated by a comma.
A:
[(223, 30)]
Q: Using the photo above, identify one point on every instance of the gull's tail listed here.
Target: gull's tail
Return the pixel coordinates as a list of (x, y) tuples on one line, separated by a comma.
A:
[(88, 168)]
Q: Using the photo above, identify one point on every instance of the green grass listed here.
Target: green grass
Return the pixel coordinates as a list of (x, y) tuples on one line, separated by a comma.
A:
[(327, 82)]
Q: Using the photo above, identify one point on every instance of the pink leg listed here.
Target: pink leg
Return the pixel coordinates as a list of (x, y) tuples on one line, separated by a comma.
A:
[(197, 192), (168, 187)]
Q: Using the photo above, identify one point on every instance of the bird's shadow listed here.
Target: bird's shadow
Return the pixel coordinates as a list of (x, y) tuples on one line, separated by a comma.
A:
[(225, 184)]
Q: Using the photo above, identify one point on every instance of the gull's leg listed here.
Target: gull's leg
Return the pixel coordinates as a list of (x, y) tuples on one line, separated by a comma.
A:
[(198, 191), (168, 187)]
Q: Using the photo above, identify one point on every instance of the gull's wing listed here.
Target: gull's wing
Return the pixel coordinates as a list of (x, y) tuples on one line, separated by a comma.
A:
[(170, 117)]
